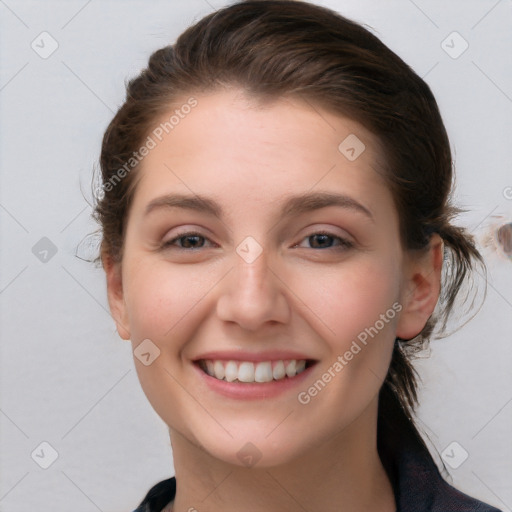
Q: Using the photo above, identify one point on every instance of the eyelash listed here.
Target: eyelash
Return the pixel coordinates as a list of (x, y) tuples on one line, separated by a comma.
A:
[(344, 243)]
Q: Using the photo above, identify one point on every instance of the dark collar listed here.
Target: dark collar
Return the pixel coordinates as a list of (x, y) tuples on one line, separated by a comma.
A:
[(417, 483)]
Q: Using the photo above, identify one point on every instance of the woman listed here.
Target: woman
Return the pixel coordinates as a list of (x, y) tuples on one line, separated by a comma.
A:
[(275, 220)]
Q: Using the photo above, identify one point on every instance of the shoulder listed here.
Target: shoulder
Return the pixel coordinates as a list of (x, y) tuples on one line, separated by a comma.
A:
[(422, 488), (158, 496), (414, 475), (446, 497)]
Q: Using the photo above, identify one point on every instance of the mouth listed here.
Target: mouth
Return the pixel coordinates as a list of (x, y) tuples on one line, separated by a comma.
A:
[(250, 372)]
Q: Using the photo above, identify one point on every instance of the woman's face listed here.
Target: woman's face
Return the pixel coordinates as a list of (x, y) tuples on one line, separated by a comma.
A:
[(258, 277)]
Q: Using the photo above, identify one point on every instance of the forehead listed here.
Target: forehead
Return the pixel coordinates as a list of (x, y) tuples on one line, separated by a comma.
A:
[(234, 147)]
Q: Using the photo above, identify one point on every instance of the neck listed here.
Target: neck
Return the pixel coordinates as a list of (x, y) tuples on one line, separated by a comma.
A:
[(345, 474)]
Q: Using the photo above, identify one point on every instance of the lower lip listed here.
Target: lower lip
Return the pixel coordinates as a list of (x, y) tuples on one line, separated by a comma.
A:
[(256, 390)]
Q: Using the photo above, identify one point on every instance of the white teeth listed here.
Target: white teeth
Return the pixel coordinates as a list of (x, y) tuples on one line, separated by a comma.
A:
[(263, 372), (247, 371), (218, 370), (209, 368), (291, 369), (231, 371), (279, 371)]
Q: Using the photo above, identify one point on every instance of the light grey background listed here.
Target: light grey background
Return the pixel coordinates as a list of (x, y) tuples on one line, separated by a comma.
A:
[(68, 379)]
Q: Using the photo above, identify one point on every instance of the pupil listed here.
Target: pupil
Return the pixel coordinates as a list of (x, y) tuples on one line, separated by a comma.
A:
[(323, 238), (188, 238)]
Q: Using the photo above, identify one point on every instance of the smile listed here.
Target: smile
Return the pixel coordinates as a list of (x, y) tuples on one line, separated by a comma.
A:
[(250, 372)]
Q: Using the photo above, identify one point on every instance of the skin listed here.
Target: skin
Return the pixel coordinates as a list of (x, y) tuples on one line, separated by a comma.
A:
[(301, 293)]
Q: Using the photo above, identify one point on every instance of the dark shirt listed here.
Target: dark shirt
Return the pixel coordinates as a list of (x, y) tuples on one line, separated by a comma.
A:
[(417, 483)]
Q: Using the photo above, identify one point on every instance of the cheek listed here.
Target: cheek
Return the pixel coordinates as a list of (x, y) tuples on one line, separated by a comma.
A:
[(161, 298), (351, 298), (358, 307)]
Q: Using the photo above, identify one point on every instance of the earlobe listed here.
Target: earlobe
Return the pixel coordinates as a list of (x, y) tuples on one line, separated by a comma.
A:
[(116, 296), (421, 290)]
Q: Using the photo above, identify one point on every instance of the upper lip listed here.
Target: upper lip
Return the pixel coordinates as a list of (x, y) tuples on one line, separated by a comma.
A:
[(239, 355)]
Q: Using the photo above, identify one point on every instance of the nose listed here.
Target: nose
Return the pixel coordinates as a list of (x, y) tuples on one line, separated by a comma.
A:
[(253, 295)]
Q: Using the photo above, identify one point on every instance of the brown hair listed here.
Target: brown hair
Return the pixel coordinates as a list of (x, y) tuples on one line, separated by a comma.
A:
[(273, 48)]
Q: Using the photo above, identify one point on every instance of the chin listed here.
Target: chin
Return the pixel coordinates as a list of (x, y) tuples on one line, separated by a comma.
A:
[(253, 451)]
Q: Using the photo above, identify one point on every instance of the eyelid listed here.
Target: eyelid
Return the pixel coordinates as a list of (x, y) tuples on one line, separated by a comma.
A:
[(328, 229), (346, 242), (169, 243)]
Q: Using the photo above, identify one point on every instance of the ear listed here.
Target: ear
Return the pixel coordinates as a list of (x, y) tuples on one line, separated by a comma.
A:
[(421, 289), (116, 296)]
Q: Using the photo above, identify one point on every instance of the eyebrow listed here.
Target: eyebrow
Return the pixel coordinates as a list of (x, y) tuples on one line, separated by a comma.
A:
[(294, 205)]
